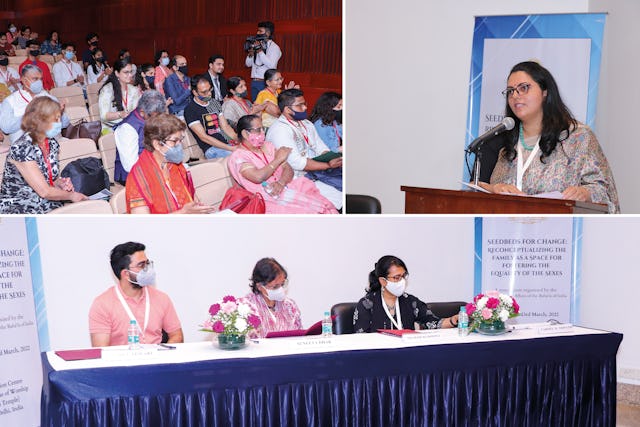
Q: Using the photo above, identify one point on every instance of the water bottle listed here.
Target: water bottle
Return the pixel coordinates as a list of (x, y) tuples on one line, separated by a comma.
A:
[(327, 325), (268, 188), (463, 322), (132, 335)]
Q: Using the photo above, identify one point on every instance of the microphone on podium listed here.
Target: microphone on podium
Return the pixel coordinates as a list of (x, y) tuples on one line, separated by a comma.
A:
[(506, 124)]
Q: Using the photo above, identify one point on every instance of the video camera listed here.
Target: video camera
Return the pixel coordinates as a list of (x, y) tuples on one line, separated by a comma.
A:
[(256, 42)]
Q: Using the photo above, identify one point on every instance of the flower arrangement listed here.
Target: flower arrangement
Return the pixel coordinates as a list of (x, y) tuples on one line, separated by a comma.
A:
[(492, 307), (231, 317)]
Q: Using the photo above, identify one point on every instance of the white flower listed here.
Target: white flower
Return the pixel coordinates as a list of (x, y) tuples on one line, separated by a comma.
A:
[(482, 302), (243, 309), (504, 315), (506, 299), (240, 324)]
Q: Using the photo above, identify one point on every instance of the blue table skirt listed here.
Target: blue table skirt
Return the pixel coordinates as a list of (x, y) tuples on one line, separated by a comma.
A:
[(555, 381)]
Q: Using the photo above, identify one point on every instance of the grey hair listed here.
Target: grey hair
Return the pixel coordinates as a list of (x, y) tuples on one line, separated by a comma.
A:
[(152, 101), (30, 67)]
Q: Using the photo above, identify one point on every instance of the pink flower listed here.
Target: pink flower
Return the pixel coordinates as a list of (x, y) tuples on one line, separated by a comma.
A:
[(214, 309), (516, 307), (208, 324), (229, 298), (471, 308), (253, 320), (487, 313), (493, 294), (228, 307), (493, 302), (477, 297), (218, 327)]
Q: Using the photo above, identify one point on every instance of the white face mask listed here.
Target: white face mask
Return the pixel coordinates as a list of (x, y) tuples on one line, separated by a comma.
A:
[(396, 288), (276, 294), (144, 277)]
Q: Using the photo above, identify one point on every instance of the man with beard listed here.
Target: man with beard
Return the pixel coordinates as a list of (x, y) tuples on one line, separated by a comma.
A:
[(133, 298)]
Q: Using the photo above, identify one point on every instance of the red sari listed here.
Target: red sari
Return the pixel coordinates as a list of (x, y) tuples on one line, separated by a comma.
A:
[(146, 186)]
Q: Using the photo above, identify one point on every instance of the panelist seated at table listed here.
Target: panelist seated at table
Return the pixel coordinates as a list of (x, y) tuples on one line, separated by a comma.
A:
[(548, 149), (134, 297), (387, 306), (268, 296)]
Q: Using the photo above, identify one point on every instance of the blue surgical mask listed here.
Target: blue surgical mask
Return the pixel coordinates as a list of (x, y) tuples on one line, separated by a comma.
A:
[(56, 128), (69, 55), (36, 87), (174, 154), (164, 61), (299, 115), (149, 79)]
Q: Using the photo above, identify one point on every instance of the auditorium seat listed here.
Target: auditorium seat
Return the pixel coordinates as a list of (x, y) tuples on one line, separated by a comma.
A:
[(118, 201), (107, 147), (362, 204), (76, 113), (92, 92), (192, 149), (85, 207), (211, 179), (70, 95), (94, 110), (72, 149)]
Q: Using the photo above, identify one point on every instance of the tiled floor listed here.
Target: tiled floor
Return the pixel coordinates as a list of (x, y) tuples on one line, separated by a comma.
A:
[(627, 415)]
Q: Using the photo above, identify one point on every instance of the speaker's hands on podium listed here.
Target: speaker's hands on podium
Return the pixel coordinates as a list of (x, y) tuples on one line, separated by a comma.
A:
[(579, 193), (500, 188)]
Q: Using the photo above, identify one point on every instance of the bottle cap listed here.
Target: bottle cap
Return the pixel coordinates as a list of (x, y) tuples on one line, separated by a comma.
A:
[(132, 322), (463, 308), (326, 313)]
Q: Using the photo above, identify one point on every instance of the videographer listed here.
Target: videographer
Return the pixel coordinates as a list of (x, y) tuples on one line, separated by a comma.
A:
[(262, 54)]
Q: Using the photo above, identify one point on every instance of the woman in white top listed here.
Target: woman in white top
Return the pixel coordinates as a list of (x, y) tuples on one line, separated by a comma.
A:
[(8, 76), (99, 71), (118, 96)]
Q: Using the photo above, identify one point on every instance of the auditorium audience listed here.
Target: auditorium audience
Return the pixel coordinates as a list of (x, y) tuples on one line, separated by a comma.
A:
[(6, 47), (326, 116), (125, 56), (158, 182), (12, 33), (33, 55), (31, 182), (13, 107), (134, 297), (8, 75), (52, 46), (257, 161), (118, 96), (262, 57), (25, 37), (269, 96), (98, 70), (236, 103), (204, 117), (145, 78), (268, 297), (129, 133), (92, 44), (548, 149), (294, 131), (177, 85), (387, 305), (217, 80), (162, 69), (68, 72)]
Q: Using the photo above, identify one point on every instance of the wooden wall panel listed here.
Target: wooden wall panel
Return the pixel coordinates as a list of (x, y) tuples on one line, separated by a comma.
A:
[(309, 32)]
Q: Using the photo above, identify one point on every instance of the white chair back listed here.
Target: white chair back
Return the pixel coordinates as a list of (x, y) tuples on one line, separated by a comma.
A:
[(84, 207), (211, 179)]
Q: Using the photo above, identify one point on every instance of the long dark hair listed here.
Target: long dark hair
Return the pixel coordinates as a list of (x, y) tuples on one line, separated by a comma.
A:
[(233, 83), (382, 269), (113, 79), (557, 120), (94, 64), (324, 108)]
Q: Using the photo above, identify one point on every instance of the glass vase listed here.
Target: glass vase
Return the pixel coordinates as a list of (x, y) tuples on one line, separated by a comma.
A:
[(491, 327), (231, 342)]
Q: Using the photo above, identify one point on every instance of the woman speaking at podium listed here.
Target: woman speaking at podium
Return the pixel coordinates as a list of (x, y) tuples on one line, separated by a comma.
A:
[(548, 149)]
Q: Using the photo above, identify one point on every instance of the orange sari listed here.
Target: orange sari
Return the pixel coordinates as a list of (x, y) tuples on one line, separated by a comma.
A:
[(146, 186)]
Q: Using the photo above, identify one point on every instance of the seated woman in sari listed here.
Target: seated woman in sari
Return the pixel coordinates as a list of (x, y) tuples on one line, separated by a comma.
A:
[(158, 182), (256, 161)]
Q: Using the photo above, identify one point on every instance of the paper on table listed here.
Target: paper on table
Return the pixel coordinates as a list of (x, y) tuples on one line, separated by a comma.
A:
[(101, 195), (475, 187), (549, 195)]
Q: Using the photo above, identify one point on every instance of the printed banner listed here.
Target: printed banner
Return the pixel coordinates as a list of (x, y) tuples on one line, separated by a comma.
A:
[(20, 366), (532, 259), (568, 45)]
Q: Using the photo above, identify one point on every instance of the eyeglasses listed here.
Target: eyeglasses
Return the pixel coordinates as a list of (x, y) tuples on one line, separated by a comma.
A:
[(142, 265), (258, 130), (281, 285), (397, 277), (175, 141), (521, 89)]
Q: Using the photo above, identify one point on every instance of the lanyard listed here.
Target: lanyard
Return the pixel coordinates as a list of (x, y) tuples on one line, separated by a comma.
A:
[(243, 105), (69, 68), (25, 99), (263, 159), (397, 324), (126, 95), (130, 313), (523, 167), (46, 150), (163, 71), (296, 128)]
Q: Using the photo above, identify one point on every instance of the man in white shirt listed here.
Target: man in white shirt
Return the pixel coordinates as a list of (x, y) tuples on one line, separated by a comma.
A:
[(292, 129), (262, 57), (67, 72), (13, 107)]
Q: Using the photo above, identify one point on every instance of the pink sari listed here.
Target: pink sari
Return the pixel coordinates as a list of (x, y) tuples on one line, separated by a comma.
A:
[(300, 196)]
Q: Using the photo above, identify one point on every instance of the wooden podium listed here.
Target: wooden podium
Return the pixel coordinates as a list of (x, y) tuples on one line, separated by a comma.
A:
[(434, 201)]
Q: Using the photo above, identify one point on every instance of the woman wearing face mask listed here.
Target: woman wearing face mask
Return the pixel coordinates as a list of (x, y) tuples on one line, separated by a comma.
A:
[(31, 182), (158, 182), (162, 69), (8, 75), (236, 104), (327, 118), (388, 306), (269, 299), (257, 161), (12, 33), (269, 95), (98, 70), (118, 96), (146, 76)]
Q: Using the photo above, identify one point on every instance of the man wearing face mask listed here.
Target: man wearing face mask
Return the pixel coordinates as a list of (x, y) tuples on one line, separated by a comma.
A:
[(268, 297), (13, 107), (92, 44), (292, 129), (33, 53), (177, 85), (67, 72), (134, 297)]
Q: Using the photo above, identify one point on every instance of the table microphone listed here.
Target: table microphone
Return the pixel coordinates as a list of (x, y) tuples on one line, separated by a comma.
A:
[(506, 124)]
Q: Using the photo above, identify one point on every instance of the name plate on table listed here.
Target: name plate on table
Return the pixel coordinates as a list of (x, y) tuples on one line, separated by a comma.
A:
[(124, 354), (315, 342), (421, 336), (555, 329)]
